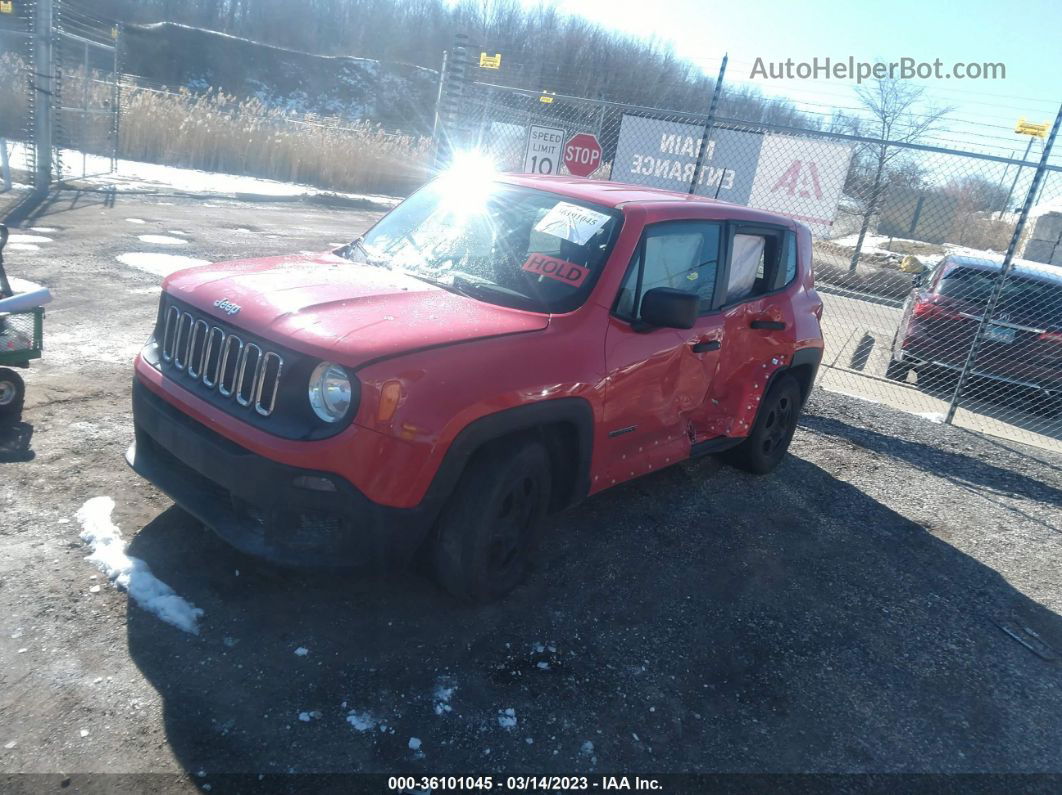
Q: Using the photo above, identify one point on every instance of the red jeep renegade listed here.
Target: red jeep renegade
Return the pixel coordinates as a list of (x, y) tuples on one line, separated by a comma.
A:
[(491, 351)]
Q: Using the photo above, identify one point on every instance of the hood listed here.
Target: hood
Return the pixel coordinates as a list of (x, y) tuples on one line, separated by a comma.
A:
[(327, 306)]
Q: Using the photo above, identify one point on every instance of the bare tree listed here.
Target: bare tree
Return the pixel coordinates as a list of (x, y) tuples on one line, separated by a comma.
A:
[(896, 116)]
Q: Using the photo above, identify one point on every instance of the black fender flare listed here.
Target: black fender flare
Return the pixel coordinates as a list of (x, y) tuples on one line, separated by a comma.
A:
[(573, 411)]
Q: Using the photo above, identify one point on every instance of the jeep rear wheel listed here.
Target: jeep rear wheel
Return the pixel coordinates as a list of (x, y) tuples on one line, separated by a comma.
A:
[(485, 534), (772, 431)]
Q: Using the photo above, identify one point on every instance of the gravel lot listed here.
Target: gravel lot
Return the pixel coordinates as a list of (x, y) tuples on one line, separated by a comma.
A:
[(889, 600)]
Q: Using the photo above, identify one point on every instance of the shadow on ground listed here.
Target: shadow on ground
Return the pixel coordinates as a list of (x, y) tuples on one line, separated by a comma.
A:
[(15, 442), (696, 620)]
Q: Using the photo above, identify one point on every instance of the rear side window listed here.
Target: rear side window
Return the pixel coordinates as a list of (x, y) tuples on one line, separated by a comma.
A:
[(683, 255), (790, 257), (755, 259)]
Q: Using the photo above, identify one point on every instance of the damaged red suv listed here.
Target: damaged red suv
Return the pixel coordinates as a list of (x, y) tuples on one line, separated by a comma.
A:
[(490, 352)]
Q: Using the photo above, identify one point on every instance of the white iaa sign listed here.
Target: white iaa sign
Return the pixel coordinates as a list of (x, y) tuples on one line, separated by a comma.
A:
[(543, 150)]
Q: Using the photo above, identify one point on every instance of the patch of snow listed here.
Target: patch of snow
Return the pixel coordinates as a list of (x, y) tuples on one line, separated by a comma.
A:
[(10, 745), (306, 717), (132, 175), (507, 719), (16, 238), (23, 247), (162, 240), (22, 650), (443, 693), (136, 220), (131, 574), (159, 264), (302, 651), (176, 232), (43, 229), (414, 743), (361, 721), (543, 665), (933, 416), (94, 589), (83, 732)]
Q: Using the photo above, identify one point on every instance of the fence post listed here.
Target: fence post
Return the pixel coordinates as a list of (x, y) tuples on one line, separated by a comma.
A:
[(1008, 266), (717, 89), (449, 125), (5, 166), (43, 94)]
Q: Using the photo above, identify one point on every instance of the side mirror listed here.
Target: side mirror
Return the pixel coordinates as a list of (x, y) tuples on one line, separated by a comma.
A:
[(666, 307)]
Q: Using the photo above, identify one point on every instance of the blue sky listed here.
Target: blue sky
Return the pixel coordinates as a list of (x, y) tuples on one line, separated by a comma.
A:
[(1024, 36)]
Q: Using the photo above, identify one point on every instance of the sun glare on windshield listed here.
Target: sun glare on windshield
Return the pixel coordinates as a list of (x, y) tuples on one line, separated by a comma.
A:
[(469, 182)]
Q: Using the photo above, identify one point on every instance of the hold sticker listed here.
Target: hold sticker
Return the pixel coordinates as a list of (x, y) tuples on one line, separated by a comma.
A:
[(558, 269), (572, 222)]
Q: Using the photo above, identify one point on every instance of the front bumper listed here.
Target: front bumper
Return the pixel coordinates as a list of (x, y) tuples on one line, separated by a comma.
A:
[(256, 505)]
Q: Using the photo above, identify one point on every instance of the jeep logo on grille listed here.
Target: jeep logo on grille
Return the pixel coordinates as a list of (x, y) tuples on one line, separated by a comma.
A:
[(226, 306)]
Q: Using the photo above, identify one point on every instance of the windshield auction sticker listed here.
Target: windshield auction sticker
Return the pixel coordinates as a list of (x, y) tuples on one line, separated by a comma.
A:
[(571, 222), (558, 269)]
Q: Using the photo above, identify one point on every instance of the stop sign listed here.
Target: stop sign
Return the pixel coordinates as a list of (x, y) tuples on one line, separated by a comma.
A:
[(582, 154)]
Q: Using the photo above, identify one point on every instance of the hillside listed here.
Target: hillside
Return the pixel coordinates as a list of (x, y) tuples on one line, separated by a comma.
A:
[(397, 96)]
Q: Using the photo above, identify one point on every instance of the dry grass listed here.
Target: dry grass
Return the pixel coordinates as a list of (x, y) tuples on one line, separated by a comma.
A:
[(217, 132)]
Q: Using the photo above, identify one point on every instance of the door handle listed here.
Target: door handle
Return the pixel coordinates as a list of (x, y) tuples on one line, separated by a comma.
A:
[(771, 325), (706, 345)]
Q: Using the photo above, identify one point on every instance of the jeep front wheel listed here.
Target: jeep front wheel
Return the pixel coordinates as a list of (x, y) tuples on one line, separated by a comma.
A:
[(485, 534)]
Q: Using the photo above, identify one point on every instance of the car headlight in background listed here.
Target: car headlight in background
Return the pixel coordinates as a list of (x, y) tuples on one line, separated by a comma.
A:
[(330, 391)]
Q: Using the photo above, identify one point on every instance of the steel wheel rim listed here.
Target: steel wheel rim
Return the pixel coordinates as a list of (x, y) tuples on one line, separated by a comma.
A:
[(777, 423), (510, 526), (7, 393)]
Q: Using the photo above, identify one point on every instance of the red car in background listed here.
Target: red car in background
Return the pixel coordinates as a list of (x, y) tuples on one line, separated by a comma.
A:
[(1022, 345), (491, 351)]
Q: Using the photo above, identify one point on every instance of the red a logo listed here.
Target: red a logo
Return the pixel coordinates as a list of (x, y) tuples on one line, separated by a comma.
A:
[(795, 181)]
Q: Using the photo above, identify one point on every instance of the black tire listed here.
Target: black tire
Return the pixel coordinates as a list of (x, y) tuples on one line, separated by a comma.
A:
[(485, 535), (12, 395), (897, 371), (772, 431)]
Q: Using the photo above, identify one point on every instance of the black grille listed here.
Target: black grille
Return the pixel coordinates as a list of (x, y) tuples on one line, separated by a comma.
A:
[(202, 350)]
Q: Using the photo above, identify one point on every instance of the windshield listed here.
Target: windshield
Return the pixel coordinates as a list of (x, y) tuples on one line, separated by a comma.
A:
[(503, 244)]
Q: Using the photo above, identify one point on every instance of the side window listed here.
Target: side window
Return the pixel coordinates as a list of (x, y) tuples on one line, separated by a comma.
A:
[(754, 261), (683, 255), (790, 257)]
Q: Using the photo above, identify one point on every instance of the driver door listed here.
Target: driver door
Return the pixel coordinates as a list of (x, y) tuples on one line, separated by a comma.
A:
[(657, 377)]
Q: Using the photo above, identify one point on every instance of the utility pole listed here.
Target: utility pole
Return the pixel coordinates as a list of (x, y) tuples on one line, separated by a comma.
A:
[(43, 94)]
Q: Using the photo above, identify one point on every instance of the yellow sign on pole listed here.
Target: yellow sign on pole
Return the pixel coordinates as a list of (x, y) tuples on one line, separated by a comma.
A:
[(1031, 128), (7, 7), (490, 61)]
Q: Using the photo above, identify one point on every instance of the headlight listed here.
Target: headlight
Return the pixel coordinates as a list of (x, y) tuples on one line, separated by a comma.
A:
[(330, 391)]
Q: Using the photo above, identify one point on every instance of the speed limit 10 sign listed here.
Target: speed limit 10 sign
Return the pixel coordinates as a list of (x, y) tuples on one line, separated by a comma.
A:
[(543, 154)]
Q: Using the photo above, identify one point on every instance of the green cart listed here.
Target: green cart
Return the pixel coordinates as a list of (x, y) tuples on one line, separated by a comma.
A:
[(21, 341)]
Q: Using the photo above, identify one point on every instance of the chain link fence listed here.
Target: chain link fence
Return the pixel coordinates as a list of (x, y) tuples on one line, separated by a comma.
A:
[(909, 239), (87, 89), (17, 156)]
